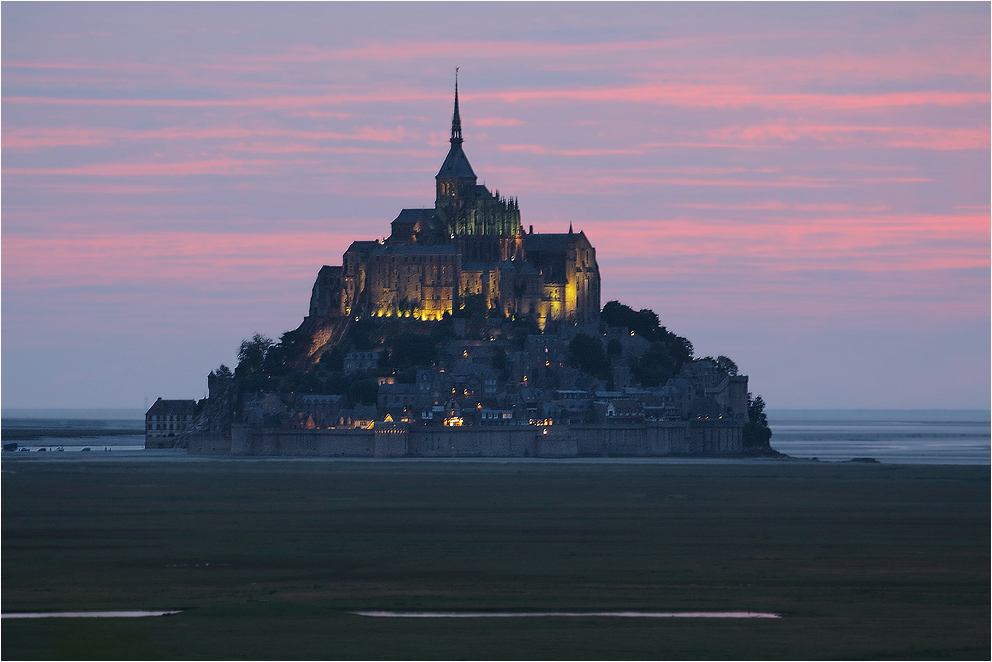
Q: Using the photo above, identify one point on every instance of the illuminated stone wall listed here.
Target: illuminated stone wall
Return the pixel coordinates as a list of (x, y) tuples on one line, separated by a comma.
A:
[(413, 281)]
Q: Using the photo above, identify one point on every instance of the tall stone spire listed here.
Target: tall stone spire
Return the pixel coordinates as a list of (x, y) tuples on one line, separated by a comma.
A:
[(456, 120), (456, 165)]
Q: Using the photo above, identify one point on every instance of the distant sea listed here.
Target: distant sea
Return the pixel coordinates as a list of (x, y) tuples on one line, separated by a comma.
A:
[(74, 429), (931, 436), (891, 436)]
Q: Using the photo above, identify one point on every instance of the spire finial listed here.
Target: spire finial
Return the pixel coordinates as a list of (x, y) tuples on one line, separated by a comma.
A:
[(456, 120)]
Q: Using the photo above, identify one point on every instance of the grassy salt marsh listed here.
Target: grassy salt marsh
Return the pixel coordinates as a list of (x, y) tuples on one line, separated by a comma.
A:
[(269, 559)]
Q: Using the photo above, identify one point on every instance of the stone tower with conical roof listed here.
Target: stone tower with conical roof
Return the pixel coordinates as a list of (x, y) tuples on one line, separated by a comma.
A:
[(480, 222), (456, 181)]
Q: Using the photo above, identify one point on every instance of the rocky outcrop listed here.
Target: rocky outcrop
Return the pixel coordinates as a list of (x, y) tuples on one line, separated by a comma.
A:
[(211, 428)]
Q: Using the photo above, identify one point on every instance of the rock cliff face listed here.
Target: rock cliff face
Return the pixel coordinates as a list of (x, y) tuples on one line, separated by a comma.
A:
[(317, 335), (212, 427)]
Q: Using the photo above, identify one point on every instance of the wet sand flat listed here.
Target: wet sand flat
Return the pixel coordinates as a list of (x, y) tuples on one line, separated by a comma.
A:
[(268, 559)]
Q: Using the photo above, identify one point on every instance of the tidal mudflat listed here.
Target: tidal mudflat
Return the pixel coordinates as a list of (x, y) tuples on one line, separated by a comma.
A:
[(269, 560)]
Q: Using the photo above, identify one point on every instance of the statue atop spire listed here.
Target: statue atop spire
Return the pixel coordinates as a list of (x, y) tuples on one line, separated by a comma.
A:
[(456, 120)]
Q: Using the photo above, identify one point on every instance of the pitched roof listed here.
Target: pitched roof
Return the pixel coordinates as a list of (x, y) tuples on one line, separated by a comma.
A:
[(413, 215), (456, 164), (172, 408), (362, 246), (547, 242)]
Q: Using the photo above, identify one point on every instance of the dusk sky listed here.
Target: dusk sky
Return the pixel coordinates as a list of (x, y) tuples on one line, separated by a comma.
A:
[(801, 187)]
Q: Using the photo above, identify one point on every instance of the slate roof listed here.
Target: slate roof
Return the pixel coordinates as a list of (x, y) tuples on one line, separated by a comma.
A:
[(362, 246), (456, 164), (412, 249), (172, 408), (413, 215), (549, 241)]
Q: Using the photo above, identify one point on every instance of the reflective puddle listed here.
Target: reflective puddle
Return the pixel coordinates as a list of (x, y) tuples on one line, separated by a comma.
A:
[(89, 614), (535, 614)]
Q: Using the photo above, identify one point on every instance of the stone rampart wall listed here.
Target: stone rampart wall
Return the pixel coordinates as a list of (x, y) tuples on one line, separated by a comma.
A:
[(652, 439), (634, 440), (521, 441), (715, 437), (302, 443)]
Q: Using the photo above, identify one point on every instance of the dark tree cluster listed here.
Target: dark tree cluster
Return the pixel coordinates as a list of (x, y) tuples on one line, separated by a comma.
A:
[(668, 351), (587, 353), (757, 434), (723, 364), (656, 366), (406, 345), (410, 350), (473, 305)]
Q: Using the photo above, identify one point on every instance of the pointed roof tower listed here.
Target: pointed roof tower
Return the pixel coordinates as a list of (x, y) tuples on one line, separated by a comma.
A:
[(456, 119), (456, 164)]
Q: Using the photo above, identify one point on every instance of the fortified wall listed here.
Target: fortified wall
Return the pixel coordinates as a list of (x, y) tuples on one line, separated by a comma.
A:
[(650, 439)]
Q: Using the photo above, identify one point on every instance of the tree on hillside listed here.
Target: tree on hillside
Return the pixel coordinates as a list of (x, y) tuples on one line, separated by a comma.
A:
[(646, 324), (411, 349), (757, 434), (587, 353), (726, 365), (722, 363), (473, 305), (223, 371), (332, 360), (251, 354), (363, 392), (517, 331), (655, 366), (362, 335)]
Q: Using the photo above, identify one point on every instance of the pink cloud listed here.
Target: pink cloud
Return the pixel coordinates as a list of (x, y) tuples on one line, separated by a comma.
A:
[(26, 138), (735, 96), (495, 121), (225, 166), (872, 243), (927, 266), (190, 257), (665, 94), (539, 149), (775, 205), (613, 183), (257, 101), (94, 188), (888, 136)]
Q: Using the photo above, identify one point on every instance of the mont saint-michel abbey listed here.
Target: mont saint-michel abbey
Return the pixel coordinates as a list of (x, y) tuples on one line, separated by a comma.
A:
[(469, 244), (465, 372)]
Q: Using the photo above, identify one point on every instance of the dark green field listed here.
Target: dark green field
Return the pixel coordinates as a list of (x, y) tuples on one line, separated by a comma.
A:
[(861, 561)]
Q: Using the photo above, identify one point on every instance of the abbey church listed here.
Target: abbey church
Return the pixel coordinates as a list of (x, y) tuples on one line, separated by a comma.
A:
[(470, 246)]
